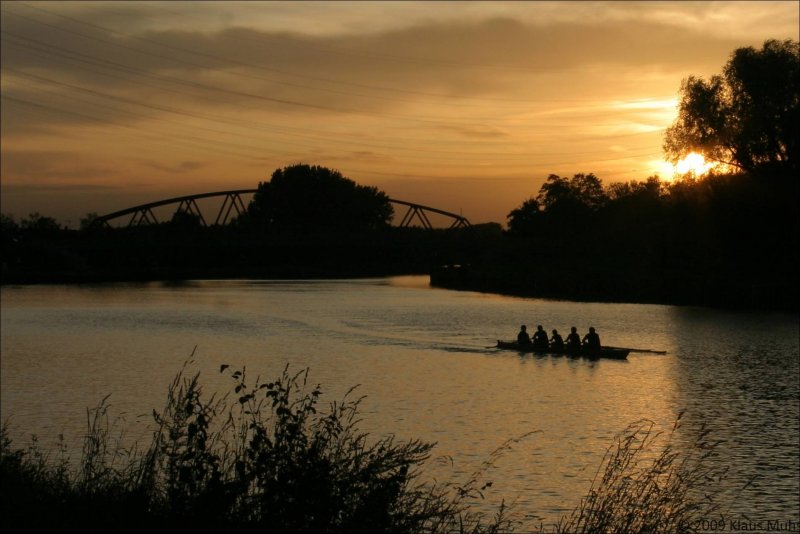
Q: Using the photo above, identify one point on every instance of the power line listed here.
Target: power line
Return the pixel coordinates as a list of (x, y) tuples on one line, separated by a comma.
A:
[(260, 127), (218, 58), (448, 98), (219, 89), (84, 59), (41, 47), (192, 141)]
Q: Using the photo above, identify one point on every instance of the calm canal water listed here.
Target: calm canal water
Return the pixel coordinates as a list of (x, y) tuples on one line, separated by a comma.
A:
[(420, 356)]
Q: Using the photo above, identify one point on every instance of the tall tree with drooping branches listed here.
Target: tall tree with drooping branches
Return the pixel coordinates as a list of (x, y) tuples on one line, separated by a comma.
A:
[(748, 117)]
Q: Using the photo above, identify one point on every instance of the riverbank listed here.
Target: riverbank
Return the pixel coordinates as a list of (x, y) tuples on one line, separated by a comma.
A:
[(479, 258), (170, 252), (578, 284)]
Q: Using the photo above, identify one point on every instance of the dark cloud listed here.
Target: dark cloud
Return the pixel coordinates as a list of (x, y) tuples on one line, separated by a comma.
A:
[(182, 90), (180, 167), (371, 73), (486, 132)]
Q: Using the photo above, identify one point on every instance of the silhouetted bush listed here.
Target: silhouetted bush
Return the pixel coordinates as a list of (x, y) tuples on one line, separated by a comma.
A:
[(264, 457)]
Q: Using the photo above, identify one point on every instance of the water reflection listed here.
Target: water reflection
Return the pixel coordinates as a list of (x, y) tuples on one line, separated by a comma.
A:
[(421, 356), (739, 373)]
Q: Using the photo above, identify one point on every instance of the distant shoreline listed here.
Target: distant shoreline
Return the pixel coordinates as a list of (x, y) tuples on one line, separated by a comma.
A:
[(438, 278), (484, 258), (466, 278)]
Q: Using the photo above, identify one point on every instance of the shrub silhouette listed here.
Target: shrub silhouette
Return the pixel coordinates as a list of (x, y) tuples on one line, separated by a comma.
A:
[(264, 457)]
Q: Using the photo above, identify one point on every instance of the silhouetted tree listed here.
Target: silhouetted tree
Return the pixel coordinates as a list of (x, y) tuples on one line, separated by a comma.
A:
[(632, 220), (651, 189), (582, 191), (523, 220), (7, 223), (562, 207), (39, 223), (186, 220), (303, 197), (748, 117), (9, 235), (86, 222)]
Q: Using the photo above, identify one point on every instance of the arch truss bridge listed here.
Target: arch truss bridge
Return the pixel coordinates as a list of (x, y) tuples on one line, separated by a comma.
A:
[(233, 206)]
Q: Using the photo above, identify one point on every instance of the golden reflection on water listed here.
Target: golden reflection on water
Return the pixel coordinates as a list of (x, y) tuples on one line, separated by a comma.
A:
[(421, 357)]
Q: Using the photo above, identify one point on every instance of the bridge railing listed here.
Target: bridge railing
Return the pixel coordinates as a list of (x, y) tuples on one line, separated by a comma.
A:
[(233, 206), (419, 213)]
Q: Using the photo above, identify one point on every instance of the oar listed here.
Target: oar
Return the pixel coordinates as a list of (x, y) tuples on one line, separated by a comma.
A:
[(651, 351)]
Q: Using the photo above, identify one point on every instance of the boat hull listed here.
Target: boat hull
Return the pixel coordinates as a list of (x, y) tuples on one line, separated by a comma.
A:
[(605, 352)]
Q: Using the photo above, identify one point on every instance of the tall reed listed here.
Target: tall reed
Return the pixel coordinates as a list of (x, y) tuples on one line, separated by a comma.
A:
[(263, 456), (267, 456), (648, 484)]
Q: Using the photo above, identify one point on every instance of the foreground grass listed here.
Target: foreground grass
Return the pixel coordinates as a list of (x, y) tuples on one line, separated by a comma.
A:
[(264, 457)]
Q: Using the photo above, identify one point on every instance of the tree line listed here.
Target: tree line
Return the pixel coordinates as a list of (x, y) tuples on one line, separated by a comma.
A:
[(723, 239), (728, 238), (305, 222)]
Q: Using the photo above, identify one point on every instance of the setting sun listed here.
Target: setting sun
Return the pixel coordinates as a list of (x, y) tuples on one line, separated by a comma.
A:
[(377, 92), (693, 163)]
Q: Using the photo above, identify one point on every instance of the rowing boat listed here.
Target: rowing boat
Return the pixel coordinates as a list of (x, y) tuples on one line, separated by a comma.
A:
[(605, 352)]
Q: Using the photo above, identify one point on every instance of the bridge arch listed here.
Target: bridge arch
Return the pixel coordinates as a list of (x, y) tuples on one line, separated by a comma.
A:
[(232, 206)]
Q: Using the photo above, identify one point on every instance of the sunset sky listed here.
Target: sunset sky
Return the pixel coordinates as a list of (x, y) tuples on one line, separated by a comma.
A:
[(466, 107)]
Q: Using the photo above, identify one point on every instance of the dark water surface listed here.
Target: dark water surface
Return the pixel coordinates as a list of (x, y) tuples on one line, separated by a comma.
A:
[(420, 356)]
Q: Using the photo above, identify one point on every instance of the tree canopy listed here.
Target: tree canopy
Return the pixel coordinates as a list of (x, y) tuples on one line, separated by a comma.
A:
[(748, 116), (302, 197), (581, 191), (567, 202)]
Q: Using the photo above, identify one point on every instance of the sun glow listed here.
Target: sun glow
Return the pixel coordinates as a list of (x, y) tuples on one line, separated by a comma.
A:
[(693, 163)]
